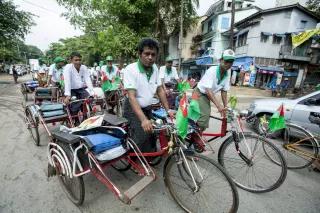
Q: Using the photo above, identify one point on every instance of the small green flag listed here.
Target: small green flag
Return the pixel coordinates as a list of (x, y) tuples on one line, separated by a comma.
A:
[(277, 121), (183, 86), (233, 100), (194, 110), (182, 117)]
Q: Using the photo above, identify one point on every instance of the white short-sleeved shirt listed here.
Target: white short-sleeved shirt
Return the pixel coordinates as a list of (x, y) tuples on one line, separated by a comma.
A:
[(76, 80), (168, 77), (55, 73), (210, 81), (112, 74), (145, 90)]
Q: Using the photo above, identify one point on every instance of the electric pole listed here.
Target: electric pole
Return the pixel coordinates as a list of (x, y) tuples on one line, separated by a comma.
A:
[(180, 35), (232, 24)]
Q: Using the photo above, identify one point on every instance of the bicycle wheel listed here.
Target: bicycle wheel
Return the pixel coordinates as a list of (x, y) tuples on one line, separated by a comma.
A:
[(259, 174), (32, 126), (297, 145), (121, 165), (216, 192), (72, 187)]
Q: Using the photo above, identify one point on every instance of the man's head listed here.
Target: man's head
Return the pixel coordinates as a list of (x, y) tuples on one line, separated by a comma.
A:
[(169, 62), (109, 60), (148, 49), (76, 58), (227, 59), (59, 61)]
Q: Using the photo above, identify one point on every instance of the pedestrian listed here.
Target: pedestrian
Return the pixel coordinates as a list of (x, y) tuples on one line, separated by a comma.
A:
[(15, 74), (284, 87)]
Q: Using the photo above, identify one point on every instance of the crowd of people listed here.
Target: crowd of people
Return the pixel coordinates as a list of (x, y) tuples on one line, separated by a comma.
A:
[(142, 81)]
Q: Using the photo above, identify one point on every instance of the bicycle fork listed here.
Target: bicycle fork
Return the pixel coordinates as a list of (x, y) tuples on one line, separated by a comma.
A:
[(182, 160)]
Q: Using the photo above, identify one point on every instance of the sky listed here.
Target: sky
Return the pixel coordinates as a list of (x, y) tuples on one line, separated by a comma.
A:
[(51, 26)]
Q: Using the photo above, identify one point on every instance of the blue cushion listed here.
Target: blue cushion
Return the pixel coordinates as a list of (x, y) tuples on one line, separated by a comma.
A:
[(102, 142), (51, 107), (48, 114), (160, 113)]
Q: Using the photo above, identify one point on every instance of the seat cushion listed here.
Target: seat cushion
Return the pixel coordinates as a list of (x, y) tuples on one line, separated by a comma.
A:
[(55, 113), (101, 142), (45, 107), (111, 153)]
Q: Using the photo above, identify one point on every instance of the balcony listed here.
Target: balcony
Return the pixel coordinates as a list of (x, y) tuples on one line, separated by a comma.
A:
[(297, 54), (242, 51)]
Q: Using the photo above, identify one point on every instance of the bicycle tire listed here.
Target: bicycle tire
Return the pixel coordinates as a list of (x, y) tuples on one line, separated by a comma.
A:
[(293, 158), (252, 185), (121, 165), (33, 128), (222, 196), (76, 199)]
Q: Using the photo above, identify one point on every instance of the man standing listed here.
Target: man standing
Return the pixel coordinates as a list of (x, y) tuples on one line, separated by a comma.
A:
[(56, 72), (14, 74), (215, 79), (76, 79), (141, 80)]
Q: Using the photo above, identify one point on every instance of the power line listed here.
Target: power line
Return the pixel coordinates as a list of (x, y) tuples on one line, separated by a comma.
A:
[(39, 6)]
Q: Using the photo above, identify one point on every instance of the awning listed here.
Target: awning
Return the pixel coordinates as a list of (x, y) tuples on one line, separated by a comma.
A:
[(290, 74), (282, 35), (241, 32), (266, 34), (268, 69), (242, 63), (206, 60)]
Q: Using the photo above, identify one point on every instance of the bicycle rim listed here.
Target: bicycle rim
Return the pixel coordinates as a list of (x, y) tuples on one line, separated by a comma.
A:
[(33, 128), (216, 192), (260, 175), (297, 145)]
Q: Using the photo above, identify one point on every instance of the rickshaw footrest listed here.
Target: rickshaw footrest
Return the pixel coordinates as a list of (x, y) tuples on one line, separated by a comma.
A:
[(139, 186)]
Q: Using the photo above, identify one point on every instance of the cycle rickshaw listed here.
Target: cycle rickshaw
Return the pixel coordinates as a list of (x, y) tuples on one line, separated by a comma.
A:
[(186, 174)]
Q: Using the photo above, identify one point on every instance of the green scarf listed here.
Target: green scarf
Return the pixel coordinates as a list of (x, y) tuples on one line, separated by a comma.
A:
[(169, 71), (219, 75), (109, 70), (142, 69)]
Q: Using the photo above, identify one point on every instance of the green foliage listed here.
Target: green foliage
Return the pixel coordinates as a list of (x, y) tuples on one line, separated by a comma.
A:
[(14, 25), (314, 5)]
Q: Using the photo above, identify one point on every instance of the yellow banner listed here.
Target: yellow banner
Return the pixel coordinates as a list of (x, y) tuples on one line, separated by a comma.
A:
[(304, 36)]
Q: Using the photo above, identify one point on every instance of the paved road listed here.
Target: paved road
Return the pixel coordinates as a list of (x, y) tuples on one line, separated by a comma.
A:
[(25, 188)]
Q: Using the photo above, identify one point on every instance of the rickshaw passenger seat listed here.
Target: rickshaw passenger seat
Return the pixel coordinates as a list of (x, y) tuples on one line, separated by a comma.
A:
[(66, 137)]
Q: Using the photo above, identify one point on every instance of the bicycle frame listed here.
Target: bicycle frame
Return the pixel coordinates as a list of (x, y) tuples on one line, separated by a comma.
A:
[(294, 148)]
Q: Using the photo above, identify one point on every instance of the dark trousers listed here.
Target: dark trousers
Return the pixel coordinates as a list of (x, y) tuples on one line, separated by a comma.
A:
[(145, 141), (80, 94)]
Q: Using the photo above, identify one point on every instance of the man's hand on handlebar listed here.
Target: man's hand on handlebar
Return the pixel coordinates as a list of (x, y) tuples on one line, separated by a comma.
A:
[(223, 111), (67, 100), (147, 125)]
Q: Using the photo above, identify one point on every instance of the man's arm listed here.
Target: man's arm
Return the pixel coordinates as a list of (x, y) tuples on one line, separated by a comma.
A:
[(145, 122), (213, 98), (67, 85), (224, 97)]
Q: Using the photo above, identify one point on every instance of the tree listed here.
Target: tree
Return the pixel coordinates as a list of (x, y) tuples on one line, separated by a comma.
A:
[(14, 25), (314, 5), (133, 19)]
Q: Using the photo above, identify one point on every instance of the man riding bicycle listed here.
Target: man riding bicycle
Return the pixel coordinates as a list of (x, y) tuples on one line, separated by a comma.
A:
[(141, 80), (77, 81), (56, 72)]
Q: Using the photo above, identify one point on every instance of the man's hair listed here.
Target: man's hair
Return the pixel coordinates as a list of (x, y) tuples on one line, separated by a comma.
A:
[(148, 42), (75, 54)]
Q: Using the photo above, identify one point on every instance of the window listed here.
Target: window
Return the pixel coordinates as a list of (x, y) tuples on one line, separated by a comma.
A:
[(303, 24), (264, 38), (207, 45), (242, 39), (249, 5), (276, 39), (209, 26), (225, 23), (229, 4)]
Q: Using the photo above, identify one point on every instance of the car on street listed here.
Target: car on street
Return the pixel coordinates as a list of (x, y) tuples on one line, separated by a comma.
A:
[(304, 111)]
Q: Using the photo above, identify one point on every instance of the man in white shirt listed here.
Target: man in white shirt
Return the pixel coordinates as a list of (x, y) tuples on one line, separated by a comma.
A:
[(76, 79), (141, 80), (216, 79), (168, 73), (56, 72), (109, 70)]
